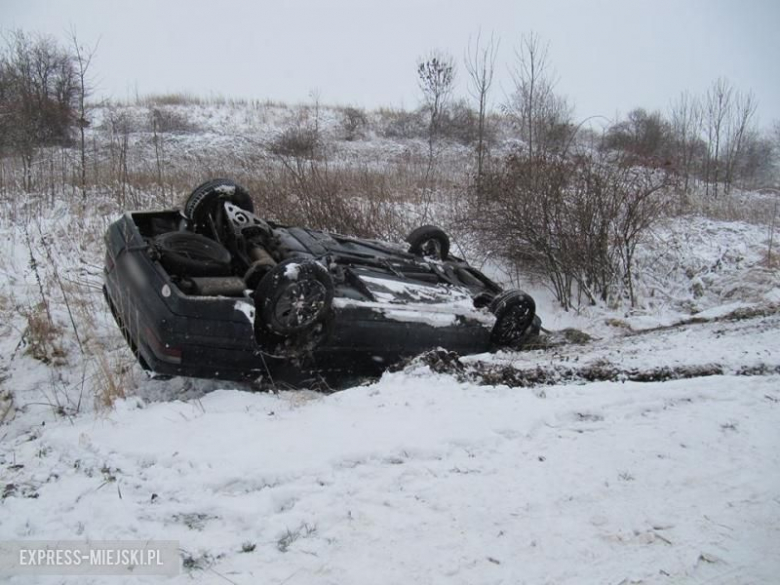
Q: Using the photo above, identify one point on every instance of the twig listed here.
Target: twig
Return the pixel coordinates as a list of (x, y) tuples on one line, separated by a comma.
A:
[(62, 288), (34, 266)]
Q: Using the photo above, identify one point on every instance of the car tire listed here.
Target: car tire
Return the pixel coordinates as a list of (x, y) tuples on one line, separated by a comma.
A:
[(203, 201), (516, 320), (429, 241), (188, 254), (293, 298)]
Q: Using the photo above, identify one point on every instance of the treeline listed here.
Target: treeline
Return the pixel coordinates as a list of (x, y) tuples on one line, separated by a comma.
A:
[(712, 138)]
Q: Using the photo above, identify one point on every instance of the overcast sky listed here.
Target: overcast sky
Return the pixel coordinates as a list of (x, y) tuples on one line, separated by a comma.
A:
[(609, 55)]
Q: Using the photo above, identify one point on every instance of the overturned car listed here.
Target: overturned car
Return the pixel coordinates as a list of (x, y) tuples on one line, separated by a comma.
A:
[(214, 291)]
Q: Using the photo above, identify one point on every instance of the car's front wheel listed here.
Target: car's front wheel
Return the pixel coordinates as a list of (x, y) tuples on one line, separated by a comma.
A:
[(515, 319), (293, 298)]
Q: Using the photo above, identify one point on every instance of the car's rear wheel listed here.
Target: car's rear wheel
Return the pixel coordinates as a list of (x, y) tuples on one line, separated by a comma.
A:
[(188, 254), (515, 323), (294, 297), (203, 201), (429, 241)]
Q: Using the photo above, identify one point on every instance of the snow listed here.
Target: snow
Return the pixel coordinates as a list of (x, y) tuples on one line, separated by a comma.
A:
[(292, 270), (247, 309), (436, 306), (435, 315), (418, 476), (732, 345)]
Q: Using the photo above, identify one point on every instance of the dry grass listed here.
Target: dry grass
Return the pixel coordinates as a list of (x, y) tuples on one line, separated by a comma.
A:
[(733, 206), (6, 405), (42, 338), (114, 379)]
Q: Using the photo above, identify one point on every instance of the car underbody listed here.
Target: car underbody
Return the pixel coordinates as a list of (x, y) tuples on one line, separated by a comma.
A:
[(213, 291)]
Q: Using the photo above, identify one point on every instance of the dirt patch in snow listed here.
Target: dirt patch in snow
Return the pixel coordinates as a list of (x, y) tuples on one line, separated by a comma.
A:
[(612, 367), (487, 374)]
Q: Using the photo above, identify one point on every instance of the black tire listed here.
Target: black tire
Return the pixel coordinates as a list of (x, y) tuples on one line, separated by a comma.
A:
[(293, 298), (515, 313), (429, 241), (188, 254), (203, 201)]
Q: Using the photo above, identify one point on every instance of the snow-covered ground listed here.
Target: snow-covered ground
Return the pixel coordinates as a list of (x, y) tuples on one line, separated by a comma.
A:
[(646, 455), (420, 477), (424, 476)]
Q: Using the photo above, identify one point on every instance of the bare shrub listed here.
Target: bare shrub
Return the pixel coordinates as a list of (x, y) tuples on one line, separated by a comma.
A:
[(645, 135), (461, 124), (401, 124), (436, 78), (82, 59), (169, 99), (351, 201), (300, 142), (171, 121), (117, 126), (573, 222), (354, 123)]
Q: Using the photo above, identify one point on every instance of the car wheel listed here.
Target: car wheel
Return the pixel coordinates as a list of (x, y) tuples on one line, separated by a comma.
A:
[(293, 297), (203, 201), (429, 241), (515, 319), (188, 254)]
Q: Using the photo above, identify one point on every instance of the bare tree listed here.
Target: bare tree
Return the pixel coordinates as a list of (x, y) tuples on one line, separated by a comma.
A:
[(480, 64), (83, 59), (436, 77), (38, 96), (739, 134), (542, 116), (686, 120), (156, 118), (315, 96), (716, 116), (117, 125)]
